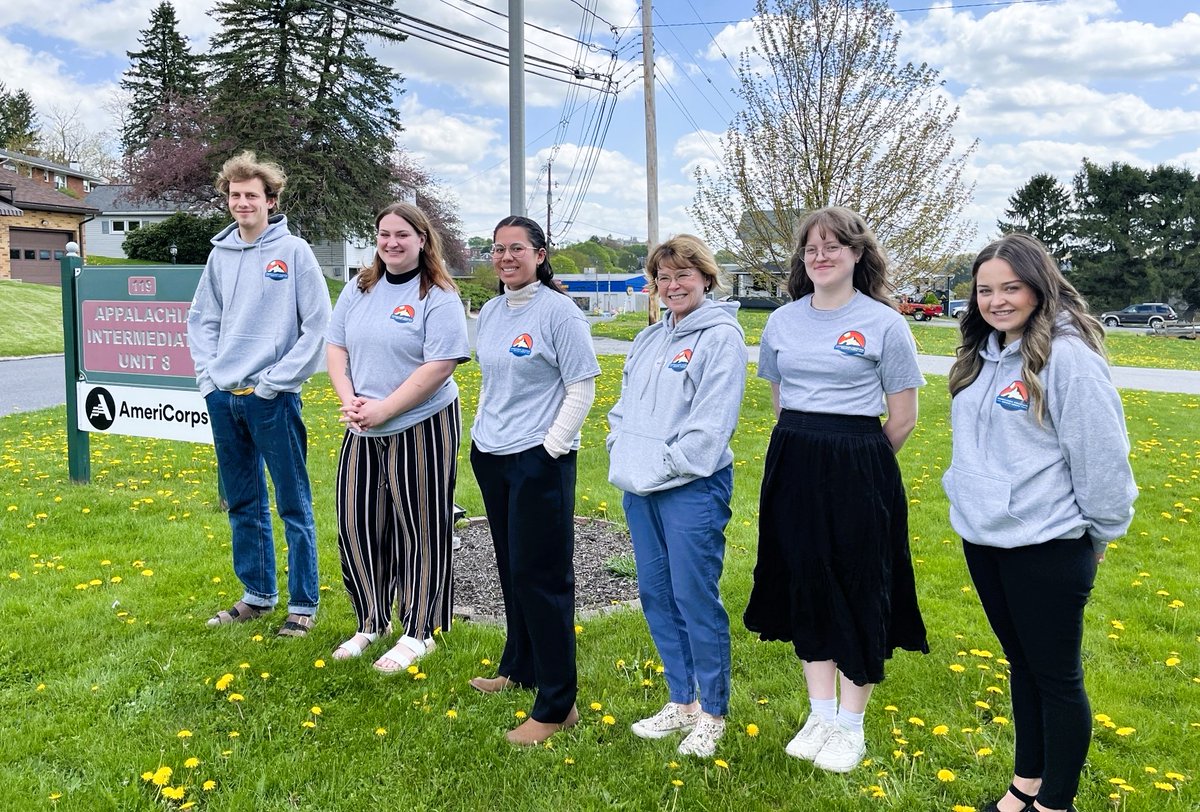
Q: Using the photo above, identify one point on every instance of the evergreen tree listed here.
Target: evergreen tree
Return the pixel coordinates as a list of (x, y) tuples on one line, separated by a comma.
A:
[(1042, 209), (18, 120), (163, 79), (292, 80)]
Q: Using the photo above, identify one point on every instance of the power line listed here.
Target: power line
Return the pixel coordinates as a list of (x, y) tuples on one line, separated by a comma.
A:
[(702, 73)]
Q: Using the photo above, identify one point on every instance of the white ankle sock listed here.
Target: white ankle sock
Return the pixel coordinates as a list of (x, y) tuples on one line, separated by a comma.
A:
[(826, 709), (848, 720)]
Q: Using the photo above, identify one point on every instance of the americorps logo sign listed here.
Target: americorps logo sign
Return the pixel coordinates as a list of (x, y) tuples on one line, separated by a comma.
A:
[(135, 373), (171, 414)]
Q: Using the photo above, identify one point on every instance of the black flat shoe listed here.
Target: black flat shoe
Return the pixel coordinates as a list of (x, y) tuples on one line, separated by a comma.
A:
[(1023, 797)]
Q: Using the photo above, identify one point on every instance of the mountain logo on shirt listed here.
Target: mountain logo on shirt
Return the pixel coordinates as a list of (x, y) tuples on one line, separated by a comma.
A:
[(680, 361), (1014, 397), (403, 314), (851, 342), (522, 345), (276, 269)]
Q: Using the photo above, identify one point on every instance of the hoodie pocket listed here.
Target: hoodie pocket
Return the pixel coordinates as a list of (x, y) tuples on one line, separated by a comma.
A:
[(638, 463), (981, 508)]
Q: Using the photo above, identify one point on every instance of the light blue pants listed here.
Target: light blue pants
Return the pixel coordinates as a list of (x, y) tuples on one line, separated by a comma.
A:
[(679, 545)]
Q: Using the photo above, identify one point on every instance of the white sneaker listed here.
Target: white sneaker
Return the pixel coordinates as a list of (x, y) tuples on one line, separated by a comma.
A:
[(811, 738), (842, 751), (671, 719), (702, 741)]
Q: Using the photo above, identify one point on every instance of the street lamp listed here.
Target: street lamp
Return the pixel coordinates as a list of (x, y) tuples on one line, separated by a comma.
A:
[(174, 249)]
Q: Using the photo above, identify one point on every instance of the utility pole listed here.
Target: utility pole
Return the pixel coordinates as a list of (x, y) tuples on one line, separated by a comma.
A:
[(549, 186), (651, 147), (516, 106)]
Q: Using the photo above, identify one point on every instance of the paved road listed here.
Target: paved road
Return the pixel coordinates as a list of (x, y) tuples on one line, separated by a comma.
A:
[(37, 383)]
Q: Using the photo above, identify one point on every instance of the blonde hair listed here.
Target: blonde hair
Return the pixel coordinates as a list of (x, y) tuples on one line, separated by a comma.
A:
[(430, 261), (246, 166), (686, 251), (1059, 310)]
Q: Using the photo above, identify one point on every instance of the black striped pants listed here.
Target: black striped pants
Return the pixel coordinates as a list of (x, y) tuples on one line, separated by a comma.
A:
[(395, 504)]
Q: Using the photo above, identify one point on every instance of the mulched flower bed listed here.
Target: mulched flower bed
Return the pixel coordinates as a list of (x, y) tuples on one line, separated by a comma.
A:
[(477, 584)]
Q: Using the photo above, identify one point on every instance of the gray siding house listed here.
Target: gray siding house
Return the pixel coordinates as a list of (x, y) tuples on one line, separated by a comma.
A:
[(118, 216)]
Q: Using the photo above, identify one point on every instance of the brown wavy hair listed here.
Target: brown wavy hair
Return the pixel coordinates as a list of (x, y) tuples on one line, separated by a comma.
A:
[(850, 229), (1060, 310), (430, 261)]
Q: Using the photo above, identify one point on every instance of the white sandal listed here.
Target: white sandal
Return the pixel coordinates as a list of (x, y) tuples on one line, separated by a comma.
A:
[(406, 652), (353, 647)]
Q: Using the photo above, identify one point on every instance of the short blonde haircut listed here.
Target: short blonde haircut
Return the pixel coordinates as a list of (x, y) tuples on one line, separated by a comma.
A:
[(686, 251), (246, 166)]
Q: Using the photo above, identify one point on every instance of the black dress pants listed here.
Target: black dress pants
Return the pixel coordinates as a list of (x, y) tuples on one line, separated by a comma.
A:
[(1034, 598), (530, 502)]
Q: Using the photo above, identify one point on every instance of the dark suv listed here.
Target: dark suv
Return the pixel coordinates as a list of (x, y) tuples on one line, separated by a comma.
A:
[(1154, 314)]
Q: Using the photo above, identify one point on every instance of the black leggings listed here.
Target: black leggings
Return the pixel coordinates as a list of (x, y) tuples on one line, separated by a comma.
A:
[(1034, 598)]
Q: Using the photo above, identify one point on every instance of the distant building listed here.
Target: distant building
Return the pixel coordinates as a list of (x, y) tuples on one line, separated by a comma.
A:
[(119, 215), (69, 178), (36, 223)]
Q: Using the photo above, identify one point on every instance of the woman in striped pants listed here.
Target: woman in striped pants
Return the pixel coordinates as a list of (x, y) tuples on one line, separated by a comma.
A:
[(396, 335)]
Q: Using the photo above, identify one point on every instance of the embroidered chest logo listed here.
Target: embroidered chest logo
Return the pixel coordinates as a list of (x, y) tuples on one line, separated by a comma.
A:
[(522, 345), (851, 342), (680, 361), (1014, 397), (403, 314), (276, 269)]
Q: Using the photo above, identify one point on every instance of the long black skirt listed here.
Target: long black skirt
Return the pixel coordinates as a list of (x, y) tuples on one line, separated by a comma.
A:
[(834, 574)]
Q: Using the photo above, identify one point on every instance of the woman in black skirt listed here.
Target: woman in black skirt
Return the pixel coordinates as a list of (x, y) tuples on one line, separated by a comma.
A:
[(834, 575)]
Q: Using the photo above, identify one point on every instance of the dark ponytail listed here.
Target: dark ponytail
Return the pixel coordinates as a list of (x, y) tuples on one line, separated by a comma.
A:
[(537, 240)]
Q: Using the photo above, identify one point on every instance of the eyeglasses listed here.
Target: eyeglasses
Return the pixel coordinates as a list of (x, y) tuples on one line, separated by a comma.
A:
[(831, 251), (662, 280), (516, 249)]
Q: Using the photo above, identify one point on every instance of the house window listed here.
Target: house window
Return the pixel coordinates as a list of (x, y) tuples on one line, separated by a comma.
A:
[(30, 253), (10, 167), (59, 253), (44, 253), (133, 225), (46, 175), (60, 182), (87, 186), (118, 226)]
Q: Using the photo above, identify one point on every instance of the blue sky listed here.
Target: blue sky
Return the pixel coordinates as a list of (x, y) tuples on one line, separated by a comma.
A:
[(1039, 84)]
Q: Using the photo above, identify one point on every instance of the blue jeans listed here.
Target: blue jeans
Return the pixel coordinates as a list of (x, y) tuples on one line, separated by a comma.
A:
[(679, 545), (249, 431)]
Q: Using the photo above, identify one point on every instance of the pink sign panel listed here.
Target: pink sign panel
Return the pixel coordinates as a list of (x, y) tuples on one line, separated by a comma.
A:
[(137, 338)]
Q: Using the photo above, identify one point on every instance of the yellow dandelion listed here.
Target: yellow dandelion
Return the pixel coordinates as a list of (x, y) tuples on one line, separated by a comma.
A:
[(722, 763), (608, 719), (315, 710), (147, 573), (940, 730), (1176, 776), (452, 714), (173, 793), (578, 629), (184, 734), (381, 731), (568, 760), (963, 808), (308, 723), (192, 763), (1164, 786), (945, 775), (1172, 661), (676, 782), (983, 751), (224, 681), (999, 720), (1125, 731), (54, 796), (520, 714), (596, 706), (751, 730), (235, 697), (162, 776), (916, 720)]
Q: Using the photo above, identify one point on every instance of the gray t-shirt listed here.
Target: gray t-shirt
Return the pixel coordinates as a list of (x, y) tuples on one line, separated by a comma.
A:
[(389, 332), (839, 361), (528, 355)]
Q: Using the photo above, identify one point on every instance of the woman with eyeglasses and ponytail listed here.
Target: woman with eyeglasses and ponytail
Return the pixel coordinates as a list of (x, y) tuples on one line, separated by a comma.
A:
[(539, 369)]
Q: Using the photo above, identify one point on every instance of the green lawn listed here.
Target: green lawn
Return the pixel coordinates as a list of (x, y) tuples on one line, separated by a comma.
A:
[(109, 677), (1124, 349), (30, 319)]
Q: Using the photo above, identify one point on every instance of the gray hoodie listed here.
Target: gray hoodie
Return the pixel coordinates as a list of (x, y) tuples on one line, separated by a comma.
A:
[(1013, 482), (680, 395), (260, 313)]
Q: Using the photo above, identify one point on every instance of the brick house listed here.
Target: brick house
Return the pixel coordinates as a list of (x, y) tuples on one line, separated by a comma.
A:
[(36, 223), (49, 174)]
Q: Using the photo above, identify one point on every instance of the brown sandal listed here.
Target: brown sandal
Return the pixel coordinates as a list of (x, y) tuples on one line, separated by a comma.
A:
[(240, 612), (296, 625)]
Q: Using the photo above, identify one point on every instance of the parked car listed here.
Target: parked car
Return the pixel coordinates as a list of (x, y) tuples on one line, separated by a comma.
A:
[(918, 310), (1154, 314), (957, 307)]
